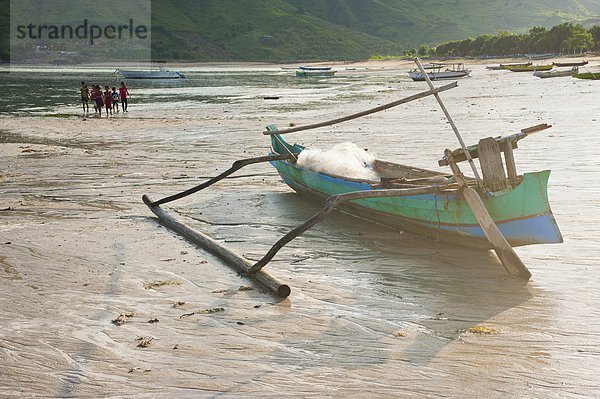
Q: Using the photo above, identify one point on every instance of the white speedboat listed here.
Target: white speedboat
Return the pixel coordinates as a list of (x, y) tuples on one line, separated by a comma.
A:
[(159, 72)]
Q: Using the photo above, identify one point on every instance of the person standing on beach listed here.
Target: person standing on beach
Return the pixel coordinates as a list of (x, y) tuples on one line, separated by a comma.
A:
[(115, 99), (99, 100), (108, 100), (85, 98), (93, 98), (124, 94)]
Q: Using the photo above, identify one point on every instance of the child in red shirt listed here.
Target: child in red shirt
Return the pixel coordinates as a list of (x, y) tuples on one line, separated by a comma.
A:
[(124, 94)]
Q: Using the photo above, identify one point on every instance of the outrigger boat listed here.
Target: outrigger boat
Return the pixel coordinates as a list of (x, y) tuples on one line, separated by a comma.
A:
[(530, 68), (555, 73), (305, 71), (499, 211), (506, 66), (440, 71), (587, 75), (518, 204), (158, 70), (570, 64)]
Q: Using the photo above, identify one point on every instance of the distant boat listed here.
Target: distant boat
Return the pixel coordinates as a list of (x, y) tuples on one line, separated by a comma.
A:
[(309, 68), (159, 72), (554, 73), (587, 75), (506, 66), (543, 56), (311, 73), (570, 64), (452, 71), (530, 68)]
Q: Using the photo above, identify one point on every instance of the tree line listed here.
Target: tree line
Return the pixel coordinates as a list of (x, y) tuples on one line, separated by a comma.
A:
[(566, 38)]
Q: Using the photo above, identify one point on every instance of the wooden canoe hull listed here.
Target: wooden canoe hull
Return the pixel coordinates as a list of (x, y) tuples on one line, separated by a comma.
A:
[(553, 74), (311, 73), (419, 77), (531, 68), (587, 75), (522, 213)]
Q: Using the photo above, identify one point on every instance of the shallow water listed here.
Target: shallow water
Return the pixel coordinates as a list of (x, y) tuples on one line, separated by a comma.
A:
[(373, 312)]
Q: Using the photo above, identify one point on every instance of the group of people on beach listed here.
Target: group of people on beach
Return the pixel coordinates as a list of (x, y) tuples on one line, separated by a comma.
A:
[(107, 99)]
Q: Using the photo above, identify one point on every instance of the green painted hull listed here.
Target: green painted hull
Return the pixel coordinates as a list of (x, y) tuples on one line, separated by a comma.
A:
[(530, 68), (522, 213), (587, 75)]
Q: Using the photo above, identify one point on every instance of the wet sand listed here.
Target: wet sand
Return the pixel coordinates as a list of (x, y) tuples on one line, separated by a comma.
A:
[(373, 312)]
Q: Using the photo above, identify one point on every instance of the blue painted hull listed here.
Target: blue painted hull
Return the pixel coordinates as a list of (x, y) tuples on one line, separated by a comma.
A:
[(445, 215)]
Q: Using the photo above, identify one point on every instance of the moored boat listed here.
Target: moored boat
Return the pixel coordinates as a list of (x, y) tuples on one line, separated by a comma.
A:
[(506, 66), (155, 72), (496, 212), (441, 71), (570, 64), (314, 72), (530, 68), (315, 68), (520, 209), (555, 73), (590, 75)]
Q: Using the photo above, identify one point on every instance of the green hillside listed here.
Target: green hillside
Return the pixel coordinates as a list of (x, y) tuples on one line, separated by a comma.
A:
[(291, 30), (253, 30)]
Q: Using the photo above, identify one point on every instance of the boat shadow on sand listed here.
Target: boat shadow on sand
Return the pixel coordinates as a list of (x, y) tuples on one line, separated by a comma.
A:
[(367, 283)]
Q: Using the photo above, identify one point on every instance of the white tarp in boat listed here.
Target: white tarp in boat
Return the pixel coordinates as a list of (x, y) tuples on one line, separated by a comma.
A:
[(343, 159)]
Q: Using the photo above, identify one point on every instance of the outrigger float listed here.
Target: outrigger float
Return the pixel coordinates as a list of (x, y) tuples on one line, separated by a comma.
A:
[(499, 211)]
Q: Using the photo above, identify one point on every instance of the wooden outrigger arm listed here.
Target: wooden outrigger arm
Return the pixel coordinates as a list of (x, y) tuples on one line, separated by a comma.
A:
[(330, 204), (240, 263), (240, 163)]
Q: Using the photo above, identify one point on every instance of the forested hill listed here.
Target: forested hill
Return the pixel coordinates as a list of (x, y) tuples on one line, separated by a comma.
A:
[(288, 30), (340, 29)]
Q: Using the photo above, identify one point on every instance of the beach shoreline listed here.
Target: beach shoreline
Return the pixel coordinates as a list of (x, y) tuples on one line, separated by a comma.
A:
[(100, 300)]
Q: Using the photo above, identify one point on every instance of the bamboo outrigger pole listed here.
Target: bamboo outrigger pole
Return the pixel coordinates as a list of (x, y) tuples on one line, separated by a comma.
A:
[(454, 128), (414, 97), (216, 248)]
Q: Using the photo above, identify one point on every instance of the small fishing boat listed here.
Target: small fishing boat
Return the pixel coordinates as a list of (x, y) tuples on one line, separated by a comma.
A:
[(506, 66), (498, 211), (315, 68), (555, 73), (570, 64), (587, 75), (543, 56), (156, 71), (530, 68), (314, 72), (440, 71), (520, 207)]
